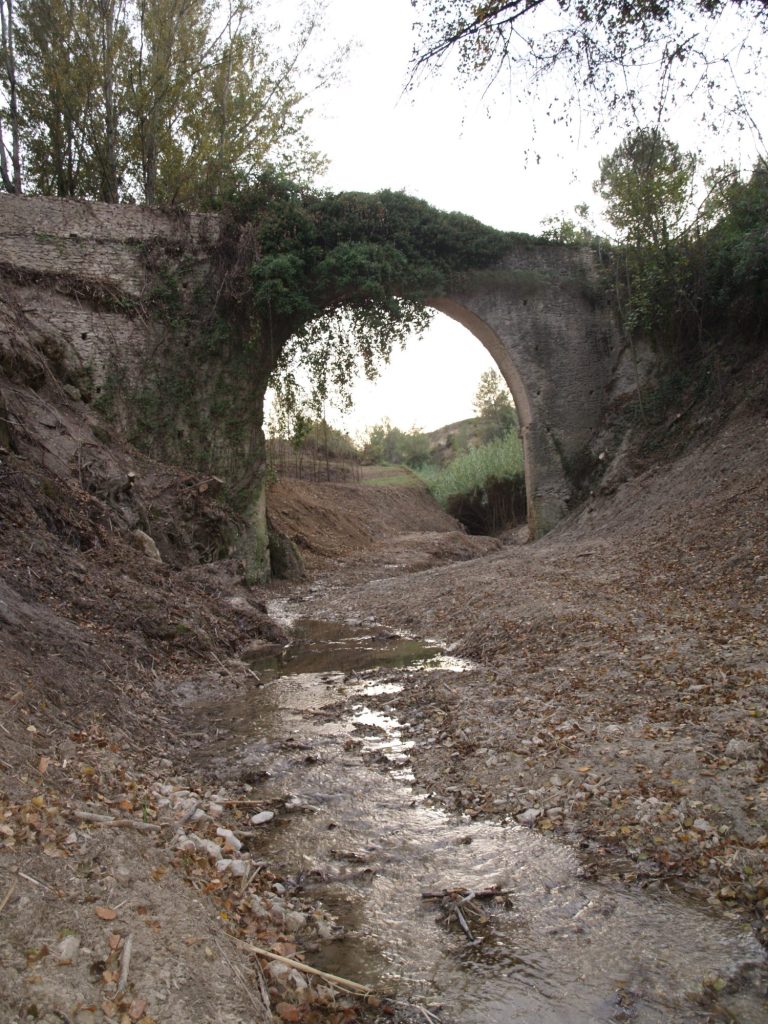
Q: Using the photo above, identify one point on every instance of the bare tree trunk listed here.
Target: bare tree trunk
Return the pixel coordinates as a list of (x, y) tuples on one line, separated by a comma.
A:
[(109, 187), (5, 176), (11, 182)]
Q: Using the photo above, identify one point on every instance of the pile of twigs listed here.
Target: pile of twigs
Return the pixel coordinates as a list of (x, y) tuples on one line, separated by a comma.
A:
[(461, 905)]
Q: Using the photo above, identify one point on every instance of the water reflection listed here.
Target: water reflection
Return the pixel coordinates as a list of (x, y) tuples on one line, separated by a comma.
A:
[(560, 950)]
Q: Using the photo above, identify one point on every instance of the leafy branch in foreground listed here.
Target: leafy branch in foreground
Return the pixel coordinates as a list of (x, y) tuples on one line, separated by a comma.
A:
[(602, 54)]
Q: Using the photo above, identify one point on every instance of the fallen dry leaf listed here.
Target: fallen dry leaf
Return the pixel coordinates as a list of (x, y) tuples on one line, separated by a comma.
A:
[(137, 1008), (287, 1012), (106, 913)]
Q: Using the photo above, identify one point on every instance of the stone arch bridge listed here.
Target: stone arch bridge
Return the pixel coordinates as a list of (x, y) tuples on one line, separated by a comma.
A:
[(83, 280)]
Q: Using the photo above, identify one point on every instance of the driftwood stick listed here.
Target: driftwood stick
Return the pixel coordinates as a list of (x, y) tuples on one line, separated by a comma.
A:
[(8, 895), (263, 986), (429, 1017), (477, 894), (463, 924), (106, 819), (125, 963), (350, 986), (36, 881)]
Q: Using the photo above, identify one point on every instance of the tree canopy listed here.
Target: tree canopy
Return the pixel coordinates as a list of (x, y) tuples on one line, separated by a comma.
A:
[(493, 406), (611, 50), (647, 184), (157, 101)]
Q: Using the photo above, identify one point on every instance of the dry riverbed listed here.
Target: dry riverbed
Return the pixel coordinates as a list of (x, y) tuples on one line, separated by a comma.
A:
[(614, 704), (619, 696)]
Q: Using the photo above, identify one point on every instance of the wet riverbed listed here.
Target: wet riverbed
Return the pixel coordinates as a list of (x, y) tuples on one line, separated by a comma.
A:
[(353, 830)]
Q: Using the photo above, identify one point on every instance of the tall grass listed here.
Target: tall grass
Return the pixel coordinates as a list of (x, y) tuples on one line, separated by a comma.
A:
[(501, 459)]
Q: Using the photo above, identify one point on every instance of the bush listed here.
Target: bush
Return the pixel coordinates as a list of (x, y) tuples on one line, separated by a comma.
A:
[(388, 445), (485, 487)]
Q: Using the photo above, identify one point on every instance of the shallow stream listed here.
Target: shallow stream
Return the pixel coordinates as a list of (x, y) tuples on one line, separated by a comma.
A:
[(353, 830)]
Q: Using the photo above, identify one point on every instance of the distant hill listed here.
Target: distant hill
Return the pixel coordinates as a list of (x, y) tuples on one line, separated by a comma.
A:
[(446, 441)]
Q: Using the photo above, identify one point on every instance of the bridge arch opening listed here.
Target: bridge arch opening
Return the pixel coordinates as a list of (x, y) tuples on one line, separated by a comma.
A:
[(508, 370), (428, 385)]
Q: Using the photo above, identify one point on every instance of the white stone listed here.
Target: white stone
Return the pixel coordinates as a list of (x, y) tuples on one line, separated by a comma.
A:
[(147, 545), (68, 947), (231, 841), (530, 816)]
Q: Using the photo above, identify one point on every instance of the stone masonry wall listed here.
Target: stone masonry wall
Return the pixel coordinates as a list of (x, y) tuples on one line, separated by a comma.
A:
[(84, 277), (85, 281)]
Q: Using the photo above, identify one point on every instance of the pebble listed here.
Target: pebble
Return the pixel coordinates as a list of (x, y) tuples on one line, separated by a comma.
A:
[(294, 920), (186, 807), (530, 816), (258, 907), (702, 825), (194, 842), (277, 970), (230, 839), (262, 817)]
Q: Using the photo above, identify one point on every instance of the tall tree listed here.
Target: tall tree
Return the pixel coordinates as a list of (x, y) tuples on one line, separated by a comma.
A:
[(72, 56), (494, 406), (172, 53), (647, 184), (112, 48), (157, 100), (11, 178), (213, 103)]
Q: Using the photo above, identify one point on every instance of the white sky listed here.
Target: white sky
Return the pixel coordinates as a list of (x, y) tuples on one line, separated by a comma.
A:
[(459, 151)]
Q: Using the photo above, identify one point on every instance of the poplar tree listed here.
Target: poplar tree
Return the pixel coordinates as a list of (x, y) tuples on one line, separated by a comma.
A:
[(155, 101), (10, 175), (72, 57)]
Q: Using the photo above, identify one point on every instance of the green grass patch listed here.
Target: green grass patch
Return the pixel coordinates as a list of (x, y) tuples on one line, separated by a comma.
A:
[(501, 459)]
